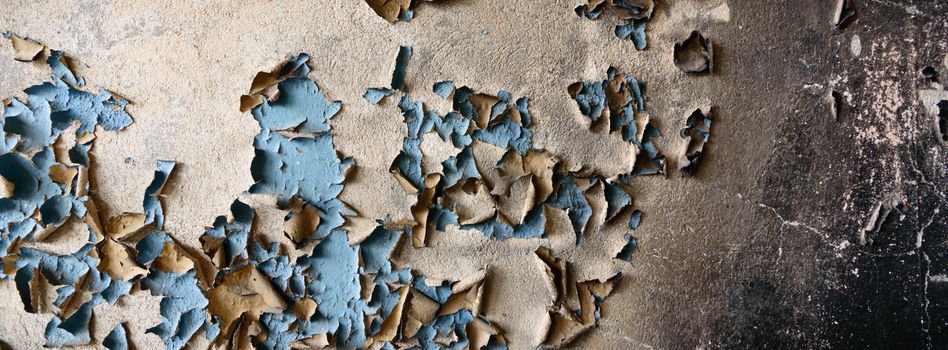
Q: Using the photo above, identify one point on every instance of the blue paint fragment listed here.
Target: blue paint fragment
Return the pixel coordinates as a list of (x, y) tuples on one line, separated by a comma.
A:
[(212, 327), (500, 107), (630, 245), (622, 94), (31, 121), (62, 293), (616, 199), (408, 161), (274, 151), (697, 132), (503, 131), (67, 271), (308, 169), (375, 95), (443, 88), (57, 269), (56, 210), (401, 67), (149, 247), (300, 106), (71, 331), (22, 281), (182, 306), (441, 217), (634, 31), (567, 196), (79, 154), (654, 161), (303, 166), (462, 102), (591, 12), (384, 298), (403, 14), (116, 340), (116, 289), (382, 302), (459, 168), (523, 107), (635, 219), (334, 285), (279, 335), (376, 250), (31, 186), (591, 99), (331, 275), (61, 72), (439, 293), (152, 206), (232, 236), (635, 15), (453, 128), (288, 278), (297, 65), (638, 91), (52, 106), (443, 326), (532, 226), (507, 134)]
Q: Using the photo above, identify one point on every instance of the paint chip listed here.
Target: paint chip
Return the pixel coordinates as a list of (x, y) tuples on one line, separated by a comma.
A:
[(695, 54)]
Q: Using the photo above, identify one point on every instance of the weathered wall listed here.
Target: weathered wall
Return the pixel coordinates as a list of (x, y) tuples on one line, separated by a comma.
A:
[(761, 248)]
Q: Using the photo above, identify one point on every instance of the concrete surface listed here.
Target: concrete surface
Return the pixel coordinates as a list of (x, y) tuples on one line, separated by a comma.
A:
[(760, 250)]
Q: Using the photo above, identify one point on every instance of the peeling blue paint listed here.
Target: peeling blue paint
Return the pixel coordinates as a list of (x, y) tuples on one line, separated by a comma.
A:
[(401, 67), (151, 204), (443, 88), (375, 95), (116, 340), (697, 132), (635, 15)]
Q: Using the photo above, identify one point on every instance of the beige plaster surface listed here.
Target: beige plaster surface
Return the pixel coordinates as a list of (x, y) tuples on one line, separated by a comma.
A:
[(184, 64)]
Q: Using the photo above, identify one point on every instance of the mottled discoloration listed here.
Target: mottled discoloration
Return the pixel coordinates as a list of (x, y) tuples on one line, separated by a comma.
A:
[(832, 175)]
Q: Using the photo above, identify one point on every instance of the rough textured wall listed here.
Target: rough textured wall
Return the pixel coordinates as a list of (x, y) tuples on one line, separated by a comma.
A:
[(805, 225)]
